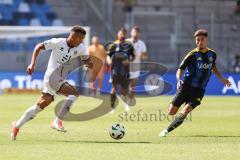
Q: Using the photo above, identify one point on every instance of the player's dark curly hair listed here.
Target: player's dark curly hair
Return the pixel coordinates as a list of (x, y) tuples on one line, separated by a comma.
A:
[(78, 29), (202, 32), (137, 28), (123, 30)]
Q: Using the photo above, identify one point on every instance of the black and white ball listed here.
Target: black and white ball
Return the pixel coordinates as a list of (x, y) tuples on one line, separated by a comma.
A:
[(117, 131)]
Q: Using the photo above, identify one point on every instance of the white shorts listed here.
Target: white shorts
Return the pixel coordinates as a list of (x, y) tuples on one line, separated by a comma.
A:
[(52, 84), (134, 75)]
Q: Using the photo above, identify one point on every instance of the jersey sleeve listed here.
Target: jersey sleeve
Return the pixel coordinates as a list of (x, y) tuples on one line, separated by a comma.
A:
[(51, 44), (131, 52), (214, 59), (186, 62), (144, 47), (111, 50)]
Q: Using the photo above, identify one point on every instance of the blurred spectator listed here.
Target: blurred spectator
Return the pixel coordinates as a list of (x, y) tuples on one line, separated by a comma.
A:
[(97, 50), (237, 10), (236, 64)]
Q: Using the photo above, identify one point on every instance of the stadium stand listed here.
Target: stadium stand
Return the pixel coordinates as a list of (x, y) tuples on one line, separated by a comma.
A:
[(167, 25), (217, 16), (27, 12)]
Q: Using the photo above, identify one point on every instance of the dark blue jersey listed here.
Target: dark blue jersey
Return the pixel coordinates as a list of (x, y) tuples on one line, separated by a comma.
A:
[(198, 67)]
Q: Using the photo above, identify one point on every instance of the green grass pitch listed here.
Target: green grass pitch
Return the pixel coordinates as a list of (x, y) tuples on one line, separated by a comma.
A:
[(212, 132)]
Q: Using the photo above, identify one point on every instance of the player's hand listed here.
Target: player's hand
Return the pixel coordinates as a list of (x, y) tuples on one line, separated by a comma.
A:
[(226, 82), (179, 83), (30, 69)]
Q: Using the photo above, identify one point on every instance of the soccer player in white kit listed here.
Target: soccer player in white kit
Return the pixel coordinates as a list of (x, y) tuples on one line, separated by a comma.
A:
[(63, 50), (140, 54)]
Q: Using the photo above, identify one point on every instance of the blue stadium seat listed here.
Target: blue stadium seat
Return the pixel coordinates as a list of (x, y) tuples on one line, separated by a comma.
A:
[(6, 2), (34, 7), (35, 22), (45, 21), (11, 8), (2, 7), (46, 8), (23, 22), (31, 12), (57, 22), (23, 7), (13, 14), (7, 15), (18, 1)]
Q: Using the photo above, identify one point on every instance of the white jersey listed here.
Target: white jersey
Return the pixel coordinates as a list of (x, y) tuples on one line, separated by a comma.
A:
[(139, 47), (59, 63)]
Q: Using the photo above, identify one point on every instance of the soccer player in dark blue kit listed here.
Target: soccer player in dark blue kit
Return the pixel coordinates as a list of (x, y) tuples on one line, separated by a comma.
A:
[(199, 65)]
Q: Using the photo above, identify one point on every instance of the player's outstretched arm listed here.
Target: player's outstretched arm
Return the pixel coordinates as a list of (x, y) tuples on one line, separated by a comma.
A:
[(219, 75), (179, 74), (37, 49)]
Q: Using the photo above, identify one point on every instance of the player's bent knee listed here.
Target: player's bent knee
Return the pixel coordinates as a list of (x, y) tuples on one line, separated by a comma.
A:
[(44, 103), (172, 110), (171, 113), (187, 109), (45, 100)]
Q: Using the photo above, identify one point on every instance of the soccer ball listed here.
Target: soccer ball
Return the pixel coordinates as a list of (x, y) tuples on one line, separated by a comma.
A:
[(117, 131)]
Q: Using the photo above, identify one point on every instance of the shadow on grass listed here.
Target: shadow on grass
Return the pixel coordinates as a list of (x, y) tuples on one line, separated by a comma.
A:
[(117, 141), (213, 136), (83, 141)]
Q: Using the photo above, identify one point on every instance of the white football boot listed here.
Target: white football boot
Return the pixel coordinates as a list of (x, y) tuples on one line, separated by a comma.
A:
[(57, 124), (163, 133)]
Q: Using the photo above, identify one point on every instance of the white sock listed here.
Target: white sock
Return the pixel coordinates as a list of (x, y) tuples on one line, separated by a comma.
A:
[(65, 107), (29, 114)]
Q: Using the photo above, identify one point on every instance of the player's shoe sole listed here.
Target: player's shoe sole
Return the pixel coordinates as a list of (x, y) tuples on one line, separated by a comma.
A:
[(14, 131)]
